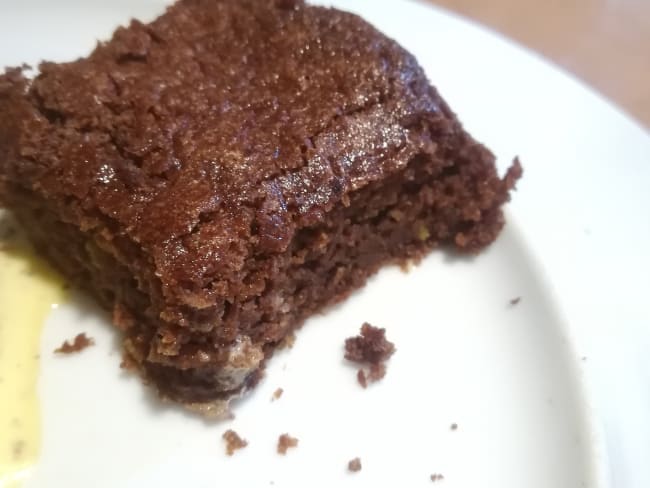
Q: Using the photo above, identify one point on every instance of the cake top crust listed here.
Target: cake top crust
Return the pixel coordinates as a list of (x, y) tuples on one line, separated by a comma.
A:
[(213, 133)]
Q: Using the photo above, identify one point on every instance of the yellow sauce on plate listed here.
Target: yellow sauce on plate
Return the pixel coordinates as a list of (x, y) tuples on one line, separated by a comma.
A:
[(29, 290)]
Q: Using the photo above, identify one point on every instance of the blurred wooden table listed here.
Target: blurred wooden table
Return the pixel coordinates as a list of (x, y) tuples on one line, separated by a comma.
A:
[(606, 43)]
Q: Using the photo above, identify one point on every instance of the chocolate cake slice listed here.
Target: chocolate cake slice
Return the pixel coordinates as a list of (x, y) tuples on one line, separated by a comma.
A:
[(218, 175)]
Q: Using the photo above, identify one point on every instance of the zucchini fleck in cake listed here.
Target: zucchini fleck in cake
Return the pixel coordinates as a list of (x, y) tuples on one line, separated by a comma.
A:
[(217, 176)]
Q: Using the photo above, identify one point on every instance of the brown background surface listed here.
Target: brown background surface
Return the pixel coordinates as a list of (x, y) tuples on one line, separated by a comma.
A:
[(606, 43)]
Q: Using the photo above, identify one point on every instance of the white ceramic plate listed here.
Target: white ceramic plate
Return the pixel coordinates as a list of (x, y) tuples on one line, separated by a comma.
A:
[(512, 378)]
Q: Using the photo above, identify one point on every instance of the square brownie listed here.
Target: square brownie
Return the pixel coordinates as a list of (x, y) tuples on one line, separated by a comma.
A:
[(218, 175)]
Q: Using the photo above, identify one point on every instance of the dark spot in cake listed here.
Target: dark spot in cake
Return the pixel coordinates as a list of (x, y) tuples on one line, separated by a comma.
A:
[(285, 441), (371, 348), (454, 426), (337, 187), (515, 301), (17, 449), (277, 394), (80, 342), (233, 441), (437, 477), (354, 465)]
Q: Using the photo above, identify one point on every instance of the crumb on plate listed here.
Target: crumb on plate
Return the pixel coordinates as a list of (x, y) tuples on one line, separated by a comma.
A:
[(285, 441), (377, 371), (361, 378), (233, 441), (80, 342), (354, 465), (370, 347)]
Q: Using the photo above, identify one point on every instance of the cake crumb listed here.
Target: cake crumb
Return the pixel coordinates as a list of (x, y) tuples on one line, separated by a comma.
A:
[(361, 378), (233, 441), (515, 301), (453, 426), (437, 477), (377, 372), (285, 441), (277, 394), (80, 342), (370, 347), (354, 465)]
